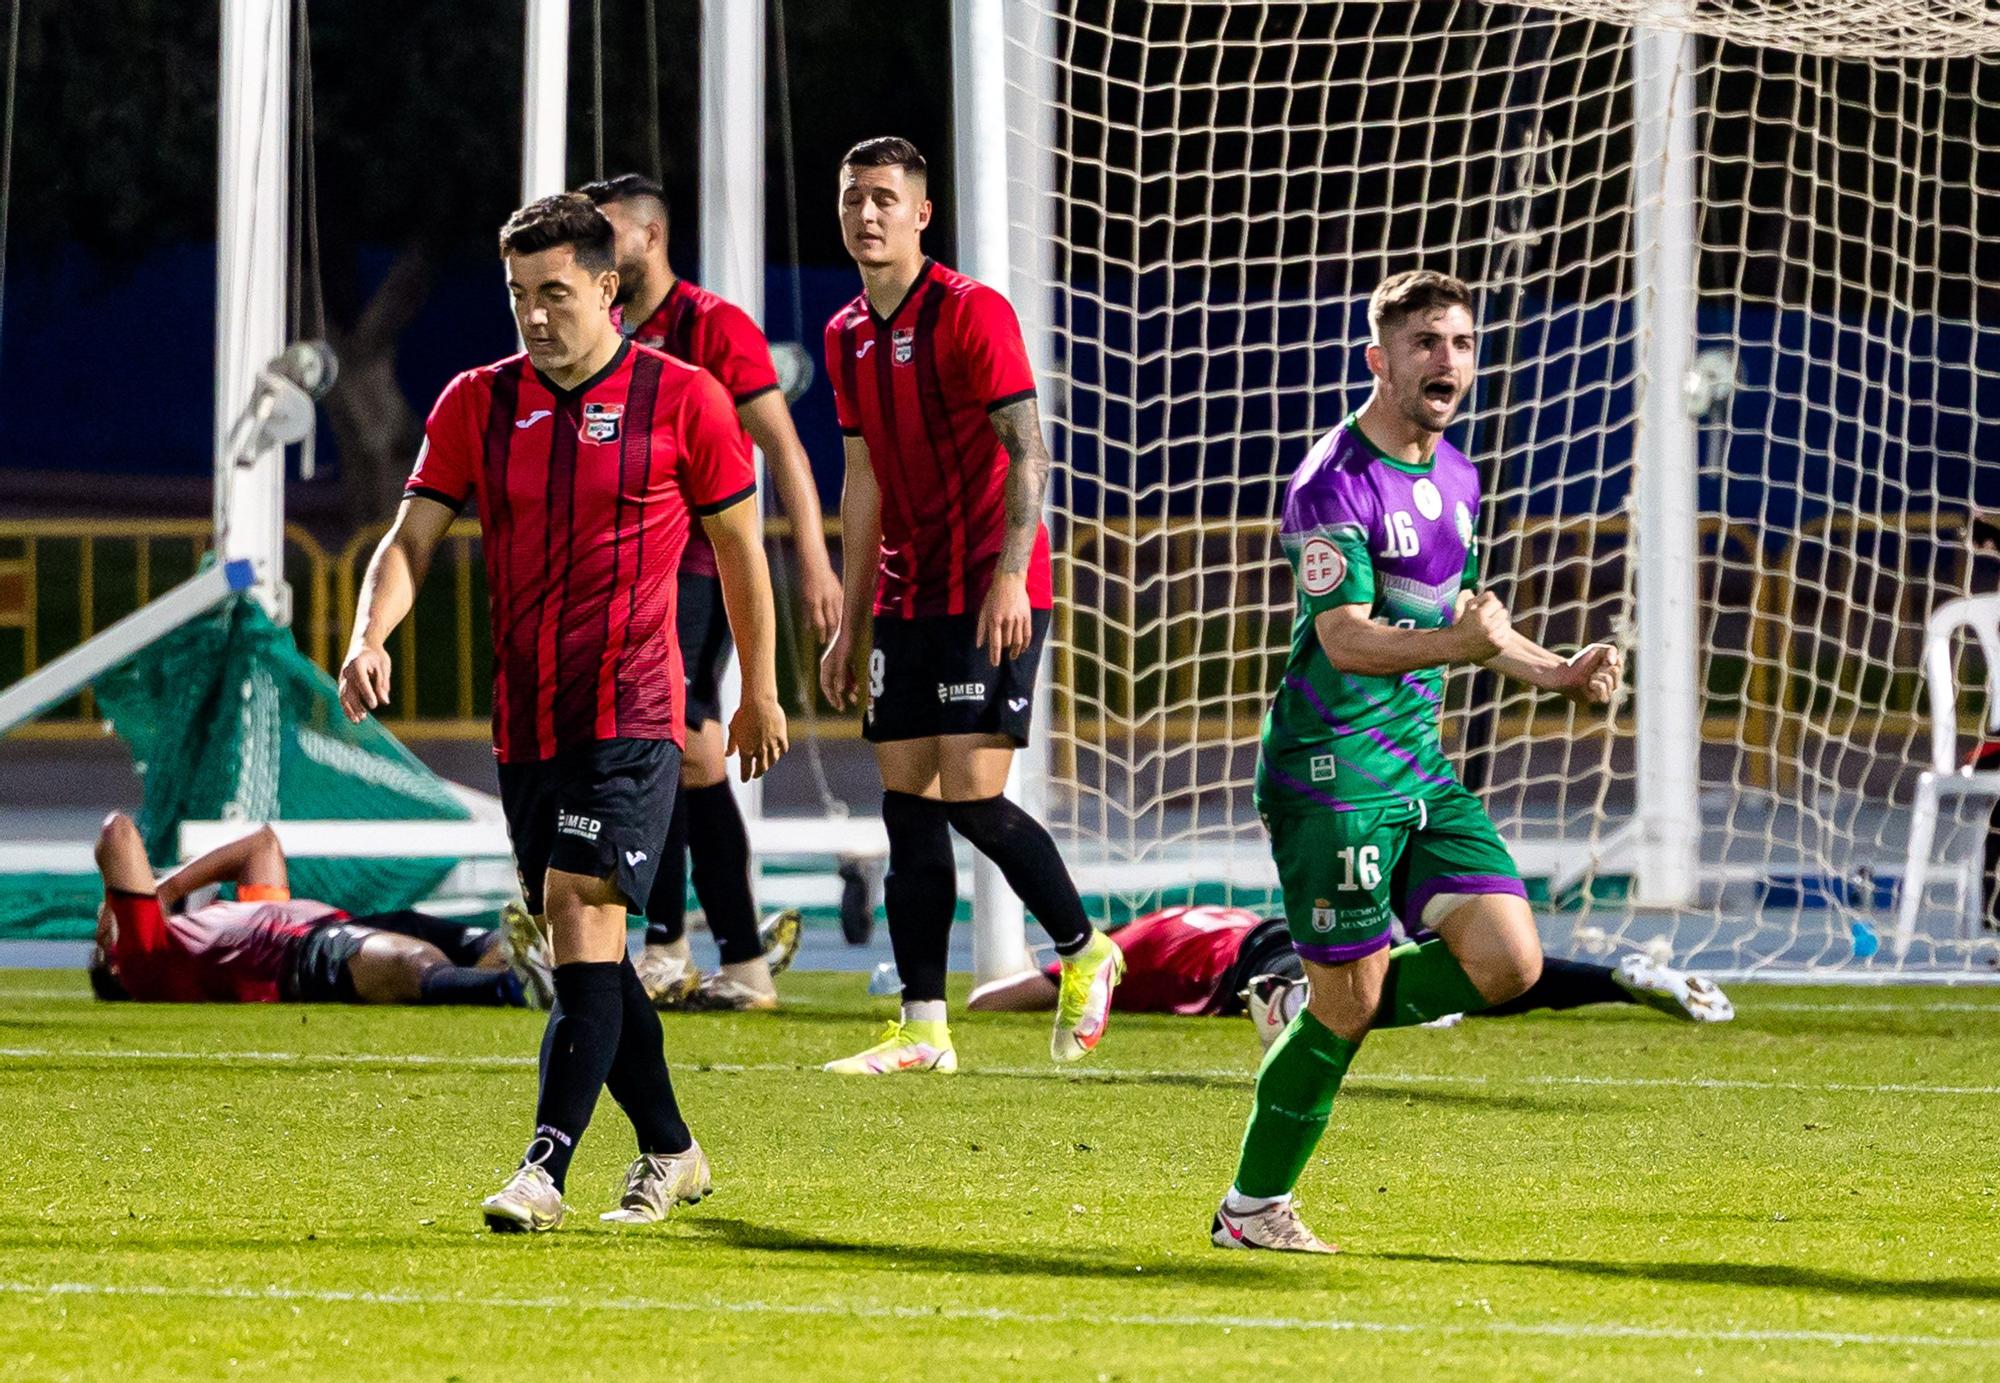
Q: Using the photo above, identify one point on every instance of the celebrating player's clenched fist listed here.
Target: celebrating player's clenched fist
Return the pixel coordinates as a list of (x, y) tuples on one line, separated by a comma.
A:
[(1482, 627), (1594, 675)]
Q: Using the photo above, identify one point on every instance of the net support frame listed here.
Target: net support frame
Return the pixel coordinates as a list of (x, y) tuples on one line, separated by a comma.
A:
[(252, 119), (1665, 447)]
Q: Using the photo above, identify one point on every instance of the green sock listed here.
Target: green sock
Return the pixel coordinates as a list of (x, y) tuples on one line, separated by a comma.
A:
[(1295, 1089), (1425, 982)]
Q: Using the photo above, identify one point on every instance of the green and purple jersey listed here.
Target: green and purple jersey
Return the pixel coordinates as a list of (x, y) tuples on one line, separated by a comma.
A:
[(1363, 528)]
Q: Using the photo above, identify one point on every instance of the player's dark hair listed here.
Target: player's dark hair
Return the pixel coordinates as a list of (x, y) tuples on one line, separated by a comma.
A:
[(568, 218), (889, 151), (1418, 290), (103, 983), (626, 187)]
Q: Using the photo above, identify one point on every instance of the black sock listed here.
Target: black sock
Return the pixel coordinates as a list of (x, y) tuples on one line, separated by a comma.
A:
[(718, 845), (462, 944), (578, 1047), (1565, 984), (1033, 867), (666, 905), (463, 984), (639, 1079), (920, 894)]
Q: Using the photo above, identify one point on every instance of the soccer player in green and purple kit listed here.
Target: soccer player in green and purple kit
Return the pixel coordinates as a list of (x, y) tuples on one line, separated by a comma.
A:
[(1367, 819)]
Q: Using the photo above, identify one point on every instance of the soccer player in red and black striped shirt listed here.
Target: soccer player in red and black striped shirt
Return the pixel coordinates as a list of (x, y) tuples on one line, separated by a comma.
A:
[(589, 459), (690, 323), (946, 472)]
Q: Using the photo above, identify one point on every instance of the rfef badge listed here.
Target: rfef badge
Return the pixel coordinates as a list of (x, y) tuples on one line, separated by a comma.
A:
[(904, 339), (601, 420)]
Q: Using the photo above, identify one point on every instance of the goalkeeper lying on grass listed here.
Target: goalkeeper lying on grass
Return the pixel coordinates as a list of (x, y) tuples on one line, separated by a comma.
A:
[(268, 946), (1209, 960)]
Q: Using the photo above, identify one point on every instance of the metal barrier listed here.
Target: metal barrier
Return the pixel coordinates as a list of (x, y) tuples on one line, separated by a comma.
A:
[(458, 619), (1165, 628), (63, 579)]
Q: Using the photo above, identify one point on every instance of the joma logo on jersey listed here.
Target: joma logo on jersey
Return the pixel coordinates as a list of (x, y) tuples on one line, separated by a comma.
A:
[(961, 691), (577, 824), (601, 420), (904, 339), (1322, 768)]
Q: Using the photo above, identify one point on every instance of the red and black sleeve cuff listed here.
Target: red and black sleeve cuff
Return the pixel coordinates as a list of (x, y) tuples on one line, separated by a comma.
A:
[(717, 506), (757, 393), (1009, 399), (451, 502)]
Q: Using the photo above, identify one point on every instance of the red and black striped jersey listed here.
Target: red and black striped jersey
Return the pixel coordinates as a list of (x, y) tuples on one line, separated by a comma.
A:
[(585, 497), (695, 325), (230, 952), (917, 387)]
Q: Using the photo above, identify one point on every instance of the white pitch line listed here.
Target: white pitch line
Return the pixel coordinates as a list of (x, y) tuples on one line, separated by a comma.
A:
[(1000, 1315), (1756, 1006), (1750, 1008), (346, 1060)]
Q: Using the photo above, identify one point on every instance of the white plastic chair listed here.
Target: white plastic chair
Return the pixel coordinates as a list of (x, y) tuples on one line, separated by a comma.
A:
[(1979, 615)]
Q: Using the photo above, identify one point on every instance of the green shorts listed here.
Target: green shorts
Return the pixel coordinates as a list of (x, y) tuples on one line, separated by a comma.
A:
[(1346, 875)]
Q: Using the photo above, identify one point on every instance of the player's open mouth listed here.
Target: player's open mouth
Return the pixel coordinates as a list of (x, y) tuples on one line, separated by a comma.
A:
[(1440, 391)]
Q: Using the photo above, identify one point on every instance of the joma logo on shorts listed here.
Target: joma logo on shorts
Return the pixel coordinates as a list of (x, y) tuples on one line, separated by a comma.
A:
[(961, 691), (576, 824)]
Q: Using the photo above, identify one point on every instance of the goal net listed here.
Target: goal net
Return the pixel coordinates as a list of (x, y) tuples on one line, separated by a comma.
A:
[(1739, 300)]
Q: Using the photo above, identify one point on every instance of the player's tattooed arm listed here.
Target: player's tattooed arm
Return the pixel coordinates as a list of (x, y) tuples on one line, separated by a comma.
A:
[(1019, 426)]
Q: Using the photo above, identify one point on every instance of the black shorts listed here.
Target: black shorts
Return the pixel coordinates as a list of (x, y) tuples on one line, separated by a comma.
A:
[(1266, 949), (929, 677), (599, 810), (316, 970), (705, 645)]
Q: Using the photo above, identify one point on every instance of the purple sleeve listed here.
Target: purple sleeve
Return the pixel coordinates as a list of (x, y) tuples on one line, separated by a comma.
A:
[(1329, 522)]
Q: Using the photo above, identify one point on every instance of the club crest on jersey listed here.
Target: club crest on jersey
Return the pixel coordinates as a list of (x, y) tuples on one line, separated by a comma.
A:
[(601, 421), (1429, 502), (1464, 517), (904, 341), (1321, 567)]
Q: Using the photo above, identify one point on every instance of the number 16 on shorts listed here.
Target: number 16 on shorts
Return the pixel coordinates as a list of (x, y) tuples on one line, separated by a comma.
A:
[(1361, 867)]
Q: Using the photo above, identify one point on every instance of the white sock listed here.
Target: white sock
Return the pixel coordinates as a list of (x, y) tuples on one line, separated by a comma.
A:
[(923, 1011), (1236, 1203)]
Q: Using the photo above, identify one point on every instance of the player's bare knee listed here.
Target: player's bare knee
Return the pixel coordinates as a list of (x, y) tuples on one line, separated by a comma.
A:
[(1344, 1013), (705, 763), (1493, 938), (586, 918), (1509, 974), (1344, 998)]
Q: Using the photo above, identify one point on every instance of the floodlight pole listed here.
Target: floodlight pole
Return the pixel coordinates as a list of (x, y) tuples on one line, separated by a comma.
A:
[(252, 156), (732, 214), (1665, 453)]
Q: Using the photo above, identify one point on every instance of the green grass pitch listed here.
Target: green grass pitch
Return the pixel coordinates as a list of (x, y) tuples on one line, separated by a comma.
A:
[(288, 1193)]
